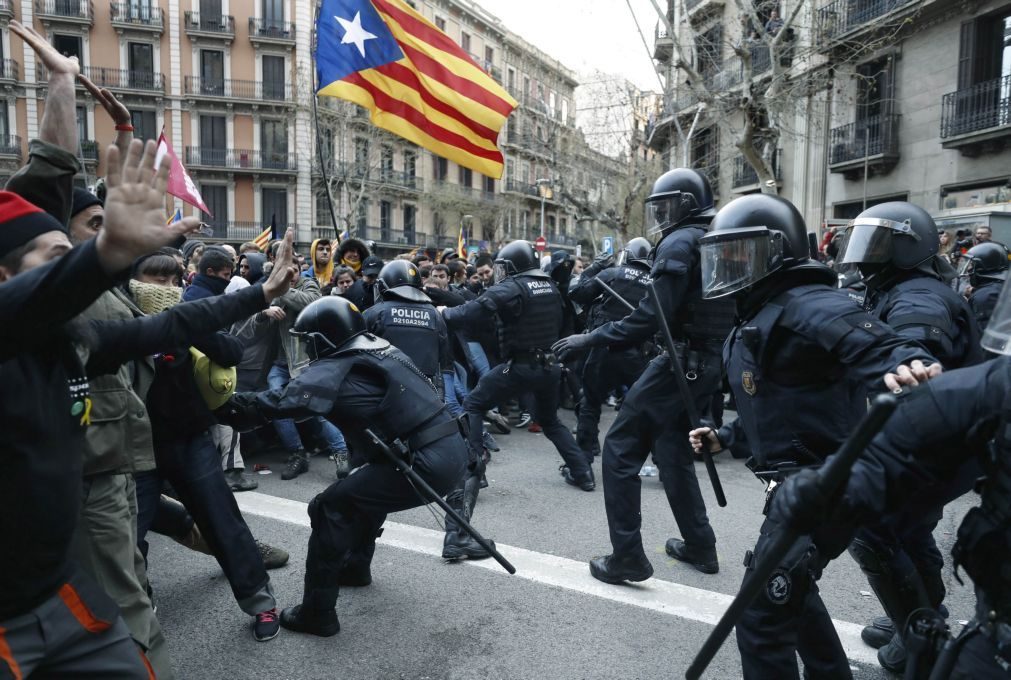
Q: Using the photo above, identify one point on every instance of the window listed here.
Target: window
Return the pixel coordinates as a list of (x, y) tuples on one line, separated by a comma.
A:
[(212, 72), (362, 217), (465, 42), (274, 207), (82, 123), (210, 14), (489, 57), (69, 46), (489, 185), (410, 214), (410, 167), (526, 85), (327, 150), (706, 155), (213, 141), (273, 16), (874, 88), (144, 124), (139, 9), (440, 23), (710, 45), (141, 64), (274, 143), (322, 207), (511, 79), (386, 163), (385, 221), (465, 176), (361, 168), (563, 225), (848, 211), (984, 75), (440, 168), (273, 78), (565, 112), (216, 199), (5, 128)]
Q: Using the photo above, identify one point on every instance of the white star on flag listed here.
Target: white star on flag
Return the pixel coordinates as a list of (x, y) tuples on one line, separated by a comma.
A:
[(354, 33)]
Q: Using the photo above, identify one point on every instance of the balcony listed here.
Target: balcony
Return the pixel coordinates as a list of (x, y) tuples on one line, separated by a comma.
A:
[(7, 9), (978, 118), (663, 44), (747, 176), (388, 236), (699, 9), (241, 231), (136, 82), (517, 187), (10, 72), (271, 32), (240, 161), (380, 177), (214, 26), (250, 90), (841, 18), (872, 143), (79, 12), (453, 189), (128, 16), (10, 148), (89, 151)]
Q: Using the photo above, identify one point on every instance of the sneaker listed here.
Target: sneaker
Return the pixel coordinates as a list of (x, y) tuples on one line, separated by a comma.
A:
[(524, 419), (498, 421), (611, 401), (273, 558), (297, 463), (535, 428), (342, 458), (489, 441), (237, 481), (266, 627)]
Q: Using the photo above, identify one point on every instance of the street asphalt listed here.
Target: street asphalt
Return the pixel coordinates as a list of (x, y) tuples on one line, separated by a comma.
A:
[(423, 618)]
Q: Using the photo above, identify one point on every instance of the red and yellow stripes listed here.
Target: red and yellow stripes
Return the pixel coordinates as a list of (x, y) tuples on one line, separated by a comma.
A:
[(436, 96), (263, 240)]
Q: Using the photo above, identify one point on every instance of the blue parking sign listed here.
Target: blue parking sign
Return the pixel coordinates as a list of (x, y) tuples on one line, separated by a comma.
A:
[(607, 245)]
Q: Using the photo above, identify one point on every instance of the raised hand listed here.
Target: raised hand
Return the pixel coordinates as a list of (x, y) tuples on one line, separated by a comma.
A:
[(279, 281), (135, 208), (50, 57), (117, 111)]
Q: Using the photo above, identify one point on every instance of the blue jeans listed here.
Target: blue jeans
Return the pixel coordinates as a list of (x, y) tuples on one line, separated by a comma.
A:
[(455, 384), (477, 358), (286, 430)]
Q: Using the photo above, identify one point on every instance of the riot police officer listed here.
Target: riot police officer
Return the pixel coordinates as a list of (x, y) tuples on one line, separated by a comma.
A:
[(799, 363), (609, 367), (528, 305), (652, 416), (949, 428), (357, 381), (408, 319), (986, 266), (895, 247)]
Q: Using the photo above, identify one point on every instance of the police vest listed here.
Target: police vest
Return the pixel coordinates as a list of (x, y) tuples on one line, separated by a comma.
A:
[(796, 408), (412, 327), (956, 343), (628, 281), (540, 322)]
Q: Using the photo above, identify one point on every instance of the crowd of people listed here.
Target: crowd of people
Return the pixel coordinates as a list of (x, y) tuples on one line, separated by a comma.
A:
[(142, 367)]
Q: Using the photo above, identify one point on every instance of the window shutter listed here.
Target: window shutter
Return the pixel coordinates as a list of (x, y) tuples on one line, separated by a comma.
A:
[(966, 50)]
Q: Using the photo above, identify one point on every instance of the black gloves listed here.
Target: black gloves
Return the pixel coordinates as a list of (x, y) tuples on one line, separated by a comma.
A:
[(240, 412), (565, 347), (801, 503)]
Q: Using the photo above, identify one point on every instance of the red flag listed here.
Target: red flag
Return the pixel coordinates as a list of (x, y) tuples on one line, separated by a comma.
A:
[(179, 183)]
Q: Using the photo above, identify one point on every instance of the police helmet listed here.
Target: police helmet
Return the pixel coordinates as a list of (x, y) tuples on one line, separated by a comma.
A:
[(401, 279), (896, 234), (636, 252), (328, 324), (985, 262), (751, 238), (679, 196), (518, 257)]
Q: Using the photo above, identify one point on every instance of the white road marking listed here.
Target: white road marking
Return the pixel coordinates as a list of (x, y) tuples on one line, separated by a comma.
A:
[(666, 597)]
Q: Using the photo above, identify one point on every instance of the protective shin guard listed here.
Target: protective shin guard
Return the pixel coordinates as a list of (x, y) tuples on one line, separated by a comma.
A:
[(900, 593)]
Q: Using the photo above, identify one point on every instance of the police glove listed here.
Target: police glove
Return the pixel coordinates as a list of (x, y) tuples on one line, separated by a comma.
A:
[(800, 502), (599, 265), (240, 412), (573, 344)]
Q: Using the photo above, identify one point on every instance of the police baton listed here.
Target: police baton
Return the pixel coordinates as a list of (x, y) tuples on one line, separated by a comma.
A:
[(613, 293), (421, 484), (832, 476), (686, 396)]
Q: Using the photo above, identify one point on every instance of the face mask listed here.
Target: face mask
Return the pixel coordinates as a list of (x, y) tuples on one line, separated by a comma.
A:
[(154, 299)]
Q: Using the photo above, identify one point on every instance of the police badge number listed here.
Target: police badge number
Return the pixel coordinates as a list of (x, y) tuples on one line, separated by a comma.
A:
[(748, 382)]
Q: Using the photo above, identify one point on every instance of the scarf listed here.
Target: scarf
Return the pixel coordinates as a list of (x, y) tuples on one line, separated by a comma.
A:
[(354, 265), (154, 299)]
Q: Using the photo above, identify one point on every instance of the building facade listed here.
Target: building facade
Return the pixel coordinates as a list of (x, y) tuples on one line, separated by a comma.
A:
[(229, 83)]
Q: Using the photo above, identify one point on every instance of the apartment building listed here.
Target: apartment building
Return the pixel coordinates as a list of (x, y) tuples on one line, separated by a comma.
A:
[(904, 100)]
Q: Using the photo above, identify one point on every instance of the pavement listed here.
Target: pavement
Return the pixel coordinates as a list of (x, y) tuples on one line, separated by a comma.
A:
[(423, 618)]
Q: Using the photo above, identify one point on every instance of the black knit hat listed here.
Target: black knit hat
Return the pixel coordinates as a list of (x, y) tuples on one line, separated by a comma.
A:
[(21, 221), (83, 199)]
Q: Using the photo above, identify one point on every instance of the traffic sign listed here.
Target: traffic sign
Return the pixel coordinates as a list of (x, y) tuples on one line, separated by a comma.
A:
[(541, 244), (607, 245)]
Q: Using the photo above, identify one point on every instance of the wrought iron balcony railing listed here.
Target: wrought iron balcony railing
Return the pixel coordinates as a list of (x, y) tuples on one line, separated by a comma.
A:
[(222, 25), (872, 136), (745, 175), (241, 160), (980, 107), (137, 15), (238, 89)]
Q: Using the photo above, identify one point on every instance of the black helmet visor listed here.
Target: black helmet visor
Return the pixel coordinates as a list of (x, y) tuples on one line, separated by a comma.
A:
[(870, 240), (997, 334), (668, 210), (734, 259)]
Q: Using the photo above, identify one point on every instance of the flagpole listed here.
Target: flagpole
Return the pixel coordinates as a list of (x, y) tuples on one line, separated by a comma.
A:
[(315, 120)]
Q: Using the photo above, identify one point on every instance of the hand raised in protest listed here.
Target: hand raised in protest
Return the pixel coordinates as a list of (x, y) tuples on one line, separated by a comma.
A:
[(135, 208), (50, 57), (279, 281)]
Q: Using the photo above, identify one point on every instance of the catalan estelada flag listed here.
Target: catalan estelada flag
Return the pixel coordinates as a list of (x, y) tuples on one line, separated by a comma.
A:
[(174, 217), (263, 240), (416, 81), (461, 244)]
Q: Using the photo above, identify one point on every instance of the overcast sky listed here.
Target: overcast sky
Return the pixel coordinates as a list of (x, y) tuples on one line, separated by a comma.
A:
[(586, 34)]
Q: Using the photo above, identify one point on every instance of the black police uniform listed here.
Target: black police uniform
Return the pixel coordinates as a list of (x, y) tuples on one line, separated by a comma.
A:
[(416, 329), (799, 363), (529, 307), (652, 417), (938, 435), (607, 368), (983, 300), (367, 384)]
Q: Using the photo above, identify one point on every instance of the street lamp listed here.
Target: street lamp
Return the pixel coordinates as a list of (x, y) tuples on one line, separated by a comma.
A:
[(544, 188)]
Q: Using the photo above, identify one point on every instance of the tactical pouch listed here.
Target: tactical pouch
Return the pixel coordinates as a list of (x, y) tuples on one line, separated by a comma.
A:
[(980, 537)]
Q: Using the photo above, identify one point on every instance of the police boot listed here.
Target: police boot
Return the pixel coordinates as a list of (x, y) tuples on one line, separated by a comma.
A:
[(617, 569), (587, 482), (703, 559), (316, 615), (297, 463), (892, 656), (879, 633), (357, 571), (458, 543)]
